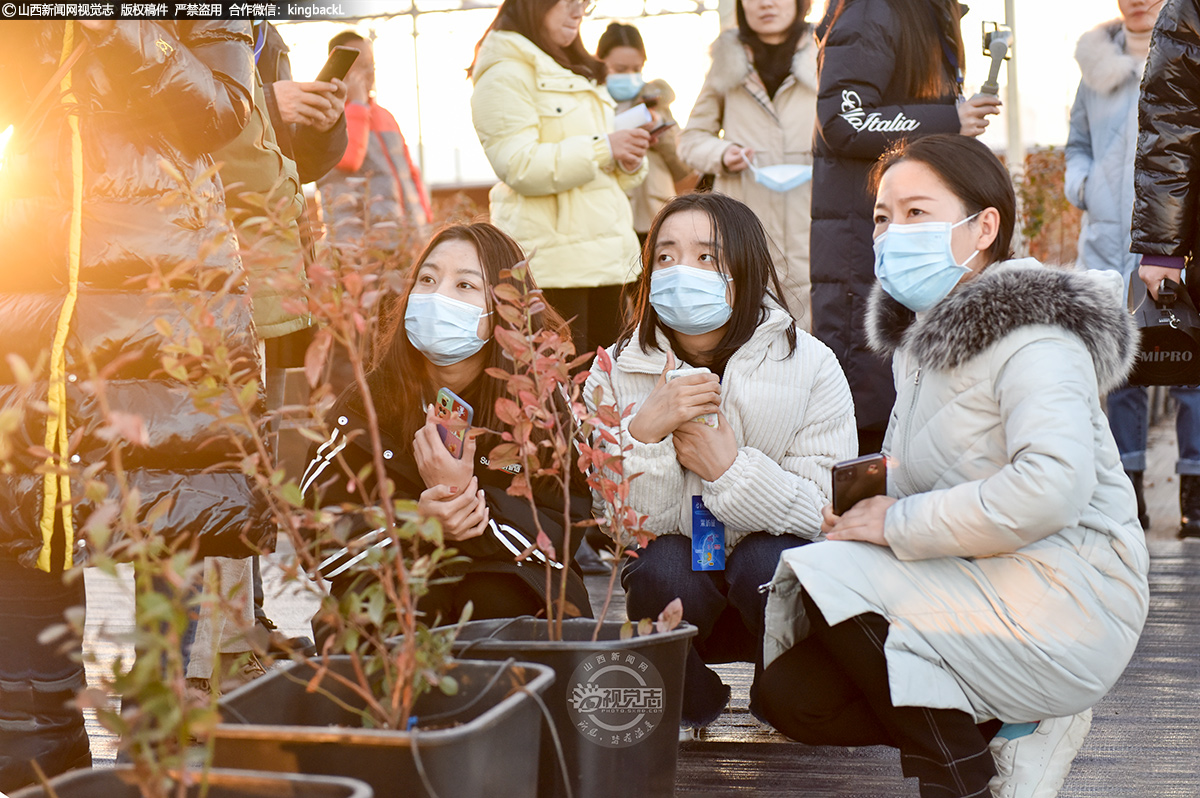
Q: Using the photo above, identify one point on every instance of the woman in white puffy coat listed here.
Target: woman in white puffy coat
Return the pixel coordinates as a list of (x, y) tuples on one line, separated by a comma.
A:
[(545, 121), (999, 589), (725, 497)]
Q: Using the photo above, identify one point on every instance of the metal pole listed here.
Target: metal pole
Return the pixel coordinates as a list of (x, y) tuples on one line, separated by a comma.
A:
[(1012, 97), (417, 88)]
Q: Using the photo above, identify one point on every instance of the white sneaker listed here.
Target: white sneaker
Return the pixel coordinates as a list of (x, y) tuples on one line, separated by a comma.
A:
[(1036, 765)]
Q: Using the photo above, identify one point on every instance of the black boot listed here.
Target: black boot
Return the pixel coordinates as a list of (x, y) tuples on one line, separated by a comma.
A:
[(1189, 506), (1136, 478)]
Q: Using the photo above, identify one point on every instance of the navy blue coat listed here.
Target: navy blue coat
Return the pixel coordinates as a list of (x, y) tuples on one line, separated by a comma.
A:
[(860, 113)]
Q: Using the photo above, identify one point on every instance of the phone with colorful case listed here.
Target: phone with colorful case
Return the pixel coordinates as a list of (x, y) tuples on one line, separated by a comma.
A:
[(454, 417)]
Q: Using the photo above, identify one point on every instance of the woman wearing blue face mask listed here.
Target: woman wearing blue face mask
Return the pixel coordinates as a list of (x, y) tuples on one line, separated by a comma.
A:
[(752, 128), (441, 335), (973, 616), (624, 55), (735, 458)]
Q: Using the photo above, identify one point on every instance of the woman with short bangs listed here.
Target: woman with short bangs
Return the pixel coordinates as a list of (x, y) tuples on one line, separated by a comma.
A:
[(738, 418)]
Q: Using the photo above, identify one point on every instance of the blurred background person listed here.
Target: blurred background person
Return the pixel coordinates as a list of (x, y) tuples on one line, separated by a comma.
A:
[(890, 70), (1099, 181), (545, 121), (87, 163), (1165, 197), (376, 184), (758, 106), (624, 55)]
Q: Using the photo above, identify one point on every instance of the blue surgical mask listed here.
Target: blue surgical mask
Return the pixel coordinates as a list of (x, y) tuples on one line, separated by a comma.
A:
[(782, 177), (915, 264), (624, 86), (445, 330), (690, 300)]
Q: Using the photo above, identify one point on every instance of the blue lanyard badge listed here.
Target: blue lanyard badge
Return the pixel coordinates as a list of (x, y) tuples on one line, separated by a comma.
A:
[(708, 539)]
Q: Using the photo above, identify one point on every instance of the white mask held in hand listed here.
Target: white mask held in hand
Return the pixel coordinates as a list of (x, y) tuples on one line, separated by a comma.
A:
[(781, 177), (445, 330), (915, 264), (690, 300)]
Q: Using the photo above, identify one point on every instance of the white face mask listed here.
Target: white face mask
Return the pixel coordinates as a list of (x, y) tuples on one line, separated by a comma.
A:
[(781, 177), (915, 264), (445, 330)]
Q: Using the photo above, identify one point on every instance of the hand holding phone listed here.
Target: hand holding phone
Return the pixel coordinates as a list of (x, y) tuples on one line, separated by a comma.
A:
[(858, 479), (708, 418), (454, 417), (340, 60)]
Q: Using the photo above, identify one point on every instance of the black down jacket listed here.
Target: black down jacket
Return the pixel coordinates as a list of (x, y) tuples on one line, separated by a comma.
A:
[(511, 529), (151, 100), (859, 115), (1167, 170)]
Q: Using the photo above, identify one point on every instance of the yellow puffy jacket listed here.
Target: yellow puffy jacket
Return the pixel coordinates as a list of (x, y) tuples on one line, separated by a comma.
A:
[(544, 130)]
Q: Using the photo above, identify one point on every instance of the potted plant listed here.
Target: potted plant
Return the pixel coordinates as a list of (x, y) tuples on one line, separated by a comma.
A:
[(617, 695)]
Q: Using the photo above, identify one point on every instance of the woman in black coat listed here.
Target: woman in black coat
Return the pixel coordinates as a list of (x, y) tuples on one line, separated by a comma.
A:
[(451, 288), (889, 70)]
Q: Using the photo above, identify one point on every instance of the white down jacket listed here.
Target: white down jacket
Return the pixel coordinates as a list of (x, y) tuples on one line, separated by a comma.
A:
[(792, 416), (1014, 581)]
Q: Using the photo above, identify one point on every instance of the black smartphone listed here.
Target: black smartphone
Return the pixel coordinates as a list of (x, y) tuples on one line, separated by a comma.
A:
[(338, 64), (858, 479)]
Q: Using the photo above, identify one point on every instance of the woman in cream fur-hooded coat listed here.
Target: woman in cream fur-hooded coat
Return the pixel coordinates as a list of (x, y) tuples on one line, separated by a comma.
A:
[(733, 108), (1014, 580)]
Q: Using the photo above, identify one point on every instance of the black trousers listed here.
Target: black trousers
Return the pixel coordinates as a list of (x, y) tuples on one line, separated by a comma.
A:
[(596, 314), (832, 689)]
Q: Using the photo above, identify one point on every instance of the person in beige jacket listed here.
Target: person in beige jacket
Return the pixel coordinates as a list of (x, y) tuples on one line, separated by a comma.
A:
[(758, 107), (545, 121)]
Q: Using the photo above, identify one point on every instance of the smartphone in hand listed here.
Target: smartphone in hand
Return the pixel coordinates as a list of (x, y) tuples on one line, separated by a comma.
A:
[(340, 60), (454, 417), (708, 418), (858, 479)]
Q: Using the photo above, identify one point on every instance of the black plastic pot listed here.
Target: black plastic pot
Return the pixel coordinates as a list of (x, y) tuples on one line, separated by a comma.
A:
[(118, 783), (616, 703), (484, 744)]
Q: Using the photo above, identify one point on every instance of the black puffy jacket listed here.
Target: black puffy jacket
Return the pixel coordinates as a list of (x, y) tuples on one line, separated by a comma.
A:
[(151, 99), (860, 113), (1167, 170), (511, 529)]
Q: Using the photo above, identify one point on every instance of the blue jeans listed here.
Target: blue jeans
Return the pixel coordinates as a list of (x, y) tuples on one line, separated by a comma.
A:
[(725, 606), (1129, 420)]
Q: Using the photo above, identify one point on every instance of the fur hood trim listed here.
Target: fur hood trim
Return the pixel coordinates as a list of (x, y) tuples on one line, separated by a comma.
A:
[(731, 62), (1102, 59), (1005, 298)]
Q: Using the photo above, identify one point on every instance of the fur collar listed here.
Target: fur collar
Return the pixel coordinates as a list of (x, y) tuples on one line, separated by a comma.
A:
[(731, 62), (1005, 298), (1102, 59)]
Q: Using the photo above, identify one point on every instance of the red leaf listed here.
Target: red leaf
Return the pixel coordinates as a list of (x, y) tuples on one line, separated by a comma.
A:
[(544, 543), (315, 357), (604, 360), (507, 410)]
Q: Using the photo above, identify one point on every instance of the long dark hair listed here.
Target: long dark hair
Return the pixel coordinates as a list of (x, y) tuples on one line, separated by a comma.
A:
[(400, 380), (929, 36), (971, 171), (758, 48), (525, 17), (742, 255)]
